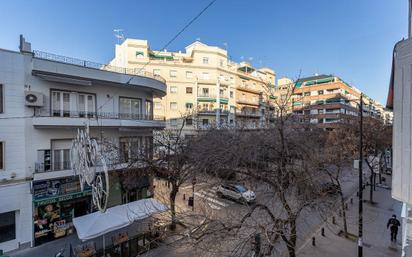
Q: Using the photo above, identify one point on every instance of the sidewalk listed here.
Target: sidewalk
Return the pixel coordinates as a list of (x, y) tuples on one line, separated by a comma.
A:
[(376, 238)]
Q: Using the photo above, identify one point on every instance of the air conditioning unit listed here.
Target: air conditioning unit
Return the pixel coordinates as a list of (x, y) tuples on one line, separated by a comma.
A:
[(35, 99)]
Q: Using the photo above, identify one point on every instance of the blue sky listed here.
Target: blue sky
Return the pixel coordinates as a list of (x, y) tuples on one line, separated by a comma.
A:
[(351, 38)]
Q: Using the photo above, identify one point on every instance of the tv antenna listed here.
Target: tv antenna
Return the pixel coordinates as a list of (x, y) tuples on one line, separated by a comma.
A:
[(118, 33)]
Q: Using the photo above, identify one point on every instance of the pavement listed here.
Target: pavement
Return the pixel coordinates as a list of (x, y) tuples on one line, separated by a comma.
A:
[(376, 237)]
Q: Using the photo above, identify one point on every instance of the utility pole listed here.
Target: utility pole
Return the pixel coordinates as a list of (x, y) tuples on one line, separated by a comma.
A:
[(360, 218)]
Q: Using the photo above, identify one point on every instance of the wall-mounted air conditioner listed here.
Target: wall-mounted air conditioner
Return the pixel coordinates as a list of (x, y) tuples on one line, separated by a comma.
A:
[(35, 99)]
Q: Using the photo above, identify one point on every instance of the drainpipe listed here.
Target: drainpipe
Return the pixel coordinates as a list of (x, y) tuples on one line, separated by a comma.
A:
[(410, 20)]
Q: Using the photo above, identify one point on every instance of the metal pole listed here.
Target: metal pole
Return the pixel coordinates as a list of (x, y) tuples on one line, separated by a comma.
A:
[(360, 220), (410, 19)]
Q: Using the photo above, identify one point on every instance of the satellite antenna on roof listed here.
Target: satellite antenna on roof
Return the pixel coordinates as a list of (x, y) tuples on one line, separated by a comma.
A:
[(118, 33), (198, 39)]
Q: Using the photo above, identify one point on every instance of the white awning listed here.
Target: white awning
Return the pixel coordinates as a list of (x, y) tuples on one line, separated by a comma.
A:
[(97, 224)]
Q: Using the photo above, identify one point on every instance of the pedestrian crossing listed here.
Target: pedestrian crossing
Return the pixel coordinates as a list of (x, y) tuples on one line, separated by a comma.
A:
[(212, 199)]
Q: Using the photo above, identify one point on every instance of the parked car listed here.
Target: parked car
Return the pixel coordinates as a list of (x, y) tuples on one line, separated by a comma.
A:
[(236, 192)]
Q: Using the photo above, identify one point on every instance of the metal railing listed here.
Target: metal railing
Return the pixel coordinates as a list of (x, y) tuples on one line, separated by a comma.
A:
[(99, 115), (95, 65)]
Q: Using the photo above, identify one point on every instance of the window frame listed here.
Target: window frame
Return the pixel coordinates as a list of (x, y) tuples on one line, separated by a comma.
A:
[(191, 90), (2, 98), (171, 91), (205, 60), (14, 225), (131, 98), (2, 155), (171, 72), (191, 74), (170, 106)]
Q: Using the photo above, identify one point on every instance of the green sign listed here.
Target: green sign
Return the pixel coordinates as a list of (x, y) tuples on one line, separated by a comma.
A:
[(61, 198)]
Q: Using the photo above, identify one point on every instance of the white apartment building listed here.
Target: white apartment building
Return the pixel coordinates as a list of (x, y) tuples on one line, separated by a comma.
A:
[(44, 99), (400, 100)]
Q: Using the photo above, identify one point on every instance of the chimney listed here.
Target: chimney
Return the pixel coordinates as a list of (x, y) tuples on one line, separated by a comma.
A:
[(25, 47)]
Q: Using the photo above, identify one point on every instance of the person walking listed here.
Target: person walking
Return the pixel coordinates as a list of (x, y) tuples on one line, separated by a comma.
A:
[(393, 224)]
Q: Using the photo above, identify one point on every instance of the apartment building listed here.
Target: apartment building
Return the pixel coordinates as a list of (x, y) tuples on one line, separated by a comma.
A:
[(204, 86), (399, 99), (326, 101), (44, 100)]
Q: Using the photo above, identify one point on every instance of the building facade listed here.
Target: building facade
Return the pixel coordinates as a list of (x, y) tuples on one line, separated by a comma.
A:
[(44, 100), (400, 100), (204, 86), (326, 101)]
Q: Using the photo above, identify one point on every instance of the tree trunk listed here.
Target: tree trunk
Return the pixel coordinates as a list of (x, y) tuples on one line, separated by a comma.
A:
[(172, 198), (342, 206), (291, 245)]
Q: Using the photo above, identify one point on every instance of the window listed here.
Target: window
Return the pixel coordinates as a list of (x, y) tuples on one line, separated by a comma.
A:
[(320, 92), (130, 108), (320, 111), (158, 105), (149, 109), (205, 60), (173, 73), (156, 72), (7, 226), (173, 90), (205, 121), (231, 94), (189, 90), (173, 122), (173, 106), (306, 94), (1, 99), (221, 63), (130, 148), (189, 121), (139, 54), (205, 75), (205, 91), (2, 155), (69, 104), (189, 105), (189, 74), (61, 159)]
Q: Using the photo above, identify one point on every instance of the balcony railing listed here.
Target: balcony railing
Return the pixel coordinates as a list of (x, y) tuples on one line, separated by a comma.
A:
[(97, 66), (99, 115)]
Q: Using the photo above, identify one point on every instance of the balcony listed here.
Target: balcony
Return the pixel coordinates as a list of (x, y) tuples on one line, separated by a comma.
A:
[(210, 111), (248, 101), (207, 97), (248, 88), (248, 114), (45, 118), (57, 68)]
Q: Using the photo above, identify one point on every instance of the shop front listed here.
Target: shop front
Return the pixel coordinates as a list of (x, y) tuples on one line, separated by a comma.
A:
[(55, 204)]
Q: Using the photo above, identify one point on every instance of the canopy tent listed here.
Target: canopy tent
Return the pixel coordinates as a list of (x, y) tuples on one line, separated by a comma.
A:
[(97, 224)]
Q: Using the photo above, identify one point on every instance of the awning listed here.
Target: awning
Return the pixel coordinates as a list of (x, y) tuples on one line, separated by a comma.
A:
[(97, 224)]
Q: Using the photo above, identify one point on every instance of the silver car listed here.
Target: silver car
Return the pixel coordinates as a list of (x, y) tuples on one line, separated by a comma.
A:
[(236, 192)]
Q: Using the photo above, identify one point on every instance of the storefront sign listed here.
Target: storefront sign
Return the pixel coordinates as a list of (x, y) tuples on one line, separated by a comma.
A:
[(61, 198)]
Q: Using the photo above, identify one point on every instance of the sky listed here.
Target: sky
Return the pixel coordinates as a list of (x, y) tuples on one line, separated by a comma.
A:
[(352, 39)]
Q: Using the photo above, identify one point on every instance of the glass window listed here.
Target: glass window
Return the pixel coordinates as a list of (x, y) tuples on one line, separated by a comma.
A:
[(231, 94), (173, 73), (306, 94), (158, 105), (205, 91), (173, 106), (205, 121), (189, 121), (7, 226), (156, 72), (189, 74), (173, 90), (149, 109), (320, 92), (173, 122), (221, 63), (189, 105), (130, 108), (205, 60), (189, 90)]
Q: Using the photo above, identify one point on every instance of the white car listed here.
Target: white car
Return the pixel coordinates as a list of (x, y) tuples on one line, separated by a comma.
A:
[(236, 192)]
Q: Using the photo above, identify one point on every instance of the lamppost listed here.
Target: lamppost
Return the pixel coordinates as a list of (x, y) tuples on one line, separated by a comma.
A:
[(360, 209)]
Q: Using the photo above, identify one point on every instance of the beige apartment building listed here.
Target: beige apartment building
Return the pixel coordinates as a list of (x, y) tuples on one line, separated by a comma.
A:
[(204, 87)]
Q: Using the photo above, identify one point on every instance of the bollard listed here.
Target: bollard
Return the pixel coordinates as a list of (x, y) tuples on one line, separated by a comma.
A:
[(322, 232), (351, 200), (333, 220), (313, 241)]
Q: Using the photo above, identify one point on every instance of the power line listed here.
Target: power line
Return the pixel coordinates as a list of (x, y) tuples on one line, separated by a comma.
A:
[(165, 46)]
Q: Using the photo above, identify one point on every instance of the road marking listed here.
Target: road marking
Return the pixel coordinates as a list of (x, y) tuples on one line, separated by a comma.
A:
[(203, 195), (191, 186)]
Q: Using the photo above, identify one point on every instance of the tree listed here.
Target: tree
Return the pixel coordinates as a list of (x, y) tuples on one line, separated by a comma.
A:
[(338, 153)]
